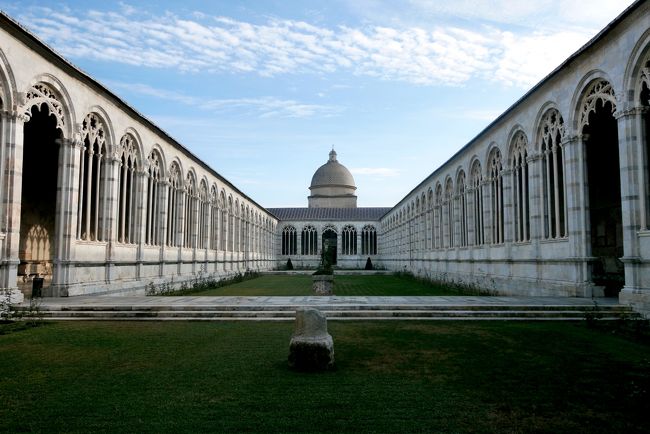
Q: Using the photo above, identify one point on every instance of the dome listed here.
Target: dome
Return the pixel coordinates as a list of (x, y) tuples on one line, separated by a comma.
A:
[(332, 174)]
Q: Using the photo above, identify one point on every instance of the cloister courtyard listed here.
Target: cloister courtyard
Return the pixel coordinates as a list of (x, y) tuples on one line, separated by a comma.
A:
[(390, 376)]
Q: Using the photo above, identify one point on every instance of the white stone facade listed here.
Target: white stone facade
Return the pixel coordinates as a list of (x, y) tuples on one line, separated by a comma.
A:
[(553, 197), (533, 205), (108, 202), (354, 245)]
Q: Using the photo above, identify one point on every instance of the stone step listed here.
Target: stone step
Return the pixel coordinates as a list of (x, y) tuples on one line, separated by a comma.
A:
[(332, 307), (375, 314)]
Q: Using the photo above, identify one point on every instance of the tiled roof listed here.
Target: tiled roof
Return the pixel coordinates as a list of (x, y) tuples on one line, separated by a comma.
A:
[(332, 214)]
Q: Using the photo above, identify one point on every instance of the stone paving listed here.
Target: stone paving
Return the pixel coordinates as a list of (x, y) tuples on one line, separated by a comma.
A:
[(297, 301)]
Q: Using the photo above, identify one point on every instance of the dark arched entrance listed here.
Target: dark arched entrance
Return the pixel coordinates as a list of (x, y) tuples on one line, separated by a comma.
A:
[(38, 198), (329, 245), (605, 215)]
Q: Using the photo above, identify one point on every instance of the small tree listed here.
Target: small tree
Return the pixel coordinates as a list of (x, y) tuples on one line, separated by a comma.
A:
[(369, 264), (289, 264)]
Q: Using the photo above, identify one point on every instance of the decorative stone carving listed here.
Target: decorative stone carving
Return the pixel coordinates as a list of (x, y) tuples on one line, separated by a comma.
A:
[(311, 347), (599, 90), (42, 94)]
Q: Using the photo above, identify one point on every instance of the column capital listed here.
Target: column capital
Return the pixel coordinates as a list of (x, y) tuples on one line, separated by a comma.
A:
[(70, 142), (573, 139)]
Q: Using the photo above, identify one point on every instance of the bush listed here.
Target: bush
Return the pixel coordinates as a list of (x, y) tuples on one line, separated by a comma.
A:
[(369, 265), (289, 264)]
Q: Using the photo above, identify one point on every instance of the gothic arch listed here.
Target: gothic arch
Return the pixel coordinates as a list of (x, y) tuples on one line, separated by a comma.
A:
[(137, 141), (514, 136), (489, 153), (47, 89), (157, 149), (633, 70), (176, 169), (594, 86), (8, 90), (518, 145), (111, 141)]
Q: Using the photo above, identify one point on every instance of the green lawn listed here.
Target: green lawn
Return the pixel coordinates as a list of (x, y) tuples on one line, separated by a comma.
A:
[(384, 285), (399, 376)]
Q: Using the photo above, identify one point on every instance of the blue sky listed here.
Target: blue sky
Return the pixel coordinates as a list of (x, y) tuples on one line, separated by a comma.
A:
[(261, 90)]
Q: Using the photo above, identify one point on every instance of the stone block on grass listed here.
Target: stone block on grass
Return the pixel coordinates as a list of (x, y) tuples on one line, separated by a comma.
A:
[(311, 347)]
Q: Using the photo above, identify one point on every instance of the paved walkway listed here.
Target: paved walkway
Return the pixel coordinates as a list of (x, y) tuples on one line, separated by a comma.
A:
[(176, 302)]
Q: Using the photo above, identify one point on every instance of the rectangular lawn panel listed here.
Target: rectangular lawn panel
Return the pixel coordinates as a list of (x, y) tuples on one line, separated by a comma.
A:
[(297, 285), (390, 377)]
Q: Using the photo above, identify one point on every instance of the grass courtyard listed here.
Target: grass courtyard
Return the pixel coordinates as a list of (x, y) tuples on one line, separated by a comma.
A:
[(296, 285), (398, 376)]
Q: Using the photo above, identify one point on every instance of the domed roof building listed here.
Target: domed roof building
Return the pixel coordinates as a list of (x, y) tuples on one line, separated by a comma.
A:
[(332, 186), (331, 223)]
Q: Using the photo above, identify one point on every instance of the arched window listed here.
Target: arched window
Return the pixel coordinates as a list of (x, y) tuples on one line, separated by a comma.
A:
[(191, 200), (496, 195), (214, 219), (449, 217), (92, 193), (476, 180), (204, 216), (231, 225), (309, 240), (520, 192), (349, 240), (461, 205), (368, 240), (430, 219), (126, 223), (175, 190), (154, 183), (437, 226), (224, 221), (553, 200), (289, 241), (236, 247)]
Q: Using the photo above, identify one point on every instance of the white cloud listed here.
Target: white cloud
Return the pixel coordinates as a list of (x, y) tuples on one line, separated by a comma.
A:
[(264, 107), (382, 172), (443, 55)]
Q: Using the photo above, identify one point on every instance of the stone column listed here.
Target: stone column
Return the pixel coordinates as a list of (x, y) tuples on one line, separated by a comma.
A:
[(111, 191), (577, 193), (139, 224), (164, 192), (66, 216), (631, 151), (12, 164), (508, 206), (487, 212)]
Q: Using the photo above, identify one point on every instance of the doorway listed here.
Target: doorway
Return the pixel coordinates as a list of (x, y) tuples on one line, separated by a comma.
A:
[(329, 245), (605, 214), (38, 199)]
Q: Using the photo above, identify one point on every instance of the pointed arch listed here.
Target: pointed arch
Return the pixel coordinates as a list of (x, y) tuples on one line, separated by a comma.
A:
[(461, 206), (495, 181), (155, 189), (94, 166), (128, 156), (174, 203), (47, 89), (520, 186), (551, 132), (476, 183)]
